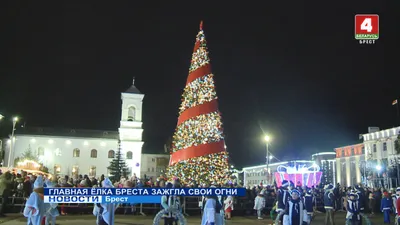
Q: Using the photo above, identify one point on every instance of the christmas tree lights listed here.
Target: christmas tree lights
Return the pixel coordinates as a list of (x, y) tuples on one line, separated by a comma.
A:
[(197, 152)]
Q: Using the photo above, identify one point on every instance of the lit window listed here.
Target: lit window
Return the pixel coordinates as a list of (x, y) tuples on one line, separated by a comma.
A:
[(68, 142), (76, 153), (103, 144), (51, 141), (93, 153), (75, 170), (33, 140), (92, 171)]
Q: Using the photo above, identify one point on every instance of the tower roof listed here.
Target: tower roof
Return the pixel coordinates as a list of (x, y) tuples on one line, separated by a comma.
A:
[(133, 88)]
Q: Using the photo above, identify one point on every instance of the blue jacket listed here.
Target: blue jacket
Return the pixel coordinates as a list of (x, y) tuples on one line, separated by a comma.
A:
[(309, 203), (283, 199), (329, 199), (386, 204), (361, 199)]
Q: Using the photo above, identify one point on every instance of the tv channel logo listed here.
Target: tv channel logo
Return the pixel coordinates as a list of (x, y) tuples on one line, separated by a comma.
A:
[(366, 28)]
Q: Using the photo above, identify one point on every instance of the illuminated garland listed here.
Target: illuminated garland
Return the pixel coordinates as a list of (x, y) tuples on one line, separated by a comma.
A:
[(201, 129), (204, 169), (197, 92), (200, 56)]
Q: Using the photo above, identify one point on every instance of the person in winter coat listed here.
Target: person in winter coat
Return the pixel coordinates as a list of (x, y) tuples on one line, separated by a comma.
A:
[(259, 204), (209, 211), (167, 203), (386, 207), (309, 202), (353, 209), (295, 212), (51, 208), (104, 212), (228, 207), (329, 201), (283, 197), (35, 209)]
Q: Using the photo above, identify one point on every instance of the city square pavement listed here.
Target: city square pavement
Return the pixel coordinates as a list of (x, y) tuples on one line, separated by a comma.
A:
[(17, 219)]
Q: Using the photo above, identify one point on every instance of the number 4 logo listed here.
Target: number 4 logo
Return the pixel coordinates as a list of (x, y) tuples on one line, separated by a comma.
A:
[(366, 27)]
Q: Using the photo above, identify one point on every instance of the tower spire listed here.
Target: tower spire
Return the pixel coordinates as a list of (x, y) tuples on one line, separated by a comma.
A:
[(201, 25), (133, 81)]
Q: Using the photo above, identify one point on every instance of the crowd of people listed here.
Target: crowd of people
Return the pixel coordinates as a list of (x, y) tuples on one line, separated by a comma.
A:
[(287, 204)]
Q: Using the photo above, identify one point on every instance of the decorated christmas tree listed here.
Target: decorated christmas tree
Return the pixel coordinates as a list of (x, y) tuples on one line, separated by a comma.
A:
[(198, 152)]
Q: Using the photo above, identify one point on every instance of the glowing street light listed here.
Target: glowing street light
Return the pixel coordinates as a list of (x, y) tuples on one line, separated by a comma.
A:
[(1, 117), (267, 138)]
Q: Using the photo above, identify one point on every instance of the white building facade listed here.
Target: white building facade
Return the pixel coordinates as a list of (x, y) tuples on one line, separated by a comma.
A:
[(381, 154), (71, 152)]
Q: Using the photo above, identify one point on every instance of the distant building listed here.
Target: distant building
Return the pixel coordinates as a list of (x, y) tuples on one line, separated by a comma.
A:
[(349, 162), (327, 162), (382, 158), (73, 152)]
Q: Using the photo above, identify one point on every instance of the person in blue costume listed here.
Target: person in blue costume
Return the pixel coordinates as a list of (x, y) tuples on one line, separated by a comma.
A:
[(209, 211), (353, 209), (51, 208), (295, 211), (361, 197), (167, 202), (309, 202), (329, 201), (104, 211), (386, 207), (283, 198), (35, 209)]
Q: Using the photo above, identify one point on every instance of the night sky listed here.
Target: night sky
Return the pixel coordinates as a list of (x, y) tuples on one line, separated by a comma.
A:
[(291, 70)]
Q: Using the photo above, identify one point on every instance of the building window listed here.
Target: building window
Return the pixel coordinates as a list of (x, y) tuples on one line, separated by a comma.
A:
[(76, 153), (343, 153), (57, 169), (131, 113), (148, 169), (75, 170), (129, 155), (384, 146), (111, 154), (153, 159), (152, 169), (352, 151), (92, 171), (93, 153), (363, 150), (374, 147)]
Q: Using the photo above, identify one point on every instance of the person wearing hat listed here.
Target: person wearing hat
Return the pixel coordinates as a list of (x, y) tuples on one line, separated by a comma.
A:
[(283, 198), (295, 212), (104, 212), (386, 207), (259, 204), (353, 209), (35, 209), (397, 205), (309, 202), (361, 197), (329, 201), (51, 208)]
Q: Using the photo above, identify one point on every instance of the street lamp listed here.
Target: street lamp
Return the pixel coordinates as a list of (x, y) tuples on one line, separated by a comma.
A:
[(1, 116), (15, 120)]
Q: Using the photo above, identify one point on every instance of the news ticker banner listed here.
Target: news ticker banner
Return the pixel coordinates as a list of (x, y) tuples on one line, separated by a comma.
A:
[(130, 195)]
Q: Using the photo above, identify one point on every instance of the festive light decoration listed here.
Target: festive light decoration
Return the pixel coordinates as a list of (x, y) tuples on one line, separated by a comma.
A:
[(198, 92), (199, 131)]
